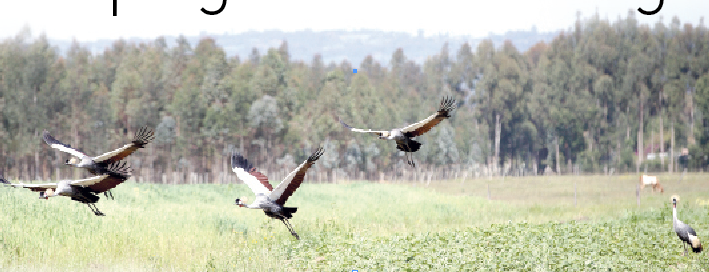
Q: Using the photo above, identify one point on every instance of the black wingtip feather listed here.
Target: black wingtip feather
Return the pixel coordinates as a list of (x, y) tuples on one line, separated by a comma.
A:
[(346, 126), (447, 105), (50, 140), (143, 136), (120, 168), (2, 178), (237, 160), (316, 155)]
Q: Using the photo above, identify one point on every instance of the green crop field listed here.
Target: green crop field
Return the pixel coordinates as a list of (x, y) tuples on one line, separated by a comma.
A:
[(530, 224)]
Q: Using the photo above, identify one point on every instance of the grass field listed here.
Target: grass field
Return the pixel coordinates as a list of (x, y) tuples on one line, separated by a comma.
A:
[(531, 224)]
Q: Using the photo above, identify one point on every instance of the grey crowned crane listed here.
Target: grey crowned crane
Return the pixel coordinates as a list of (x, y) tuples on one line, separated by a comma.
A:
[(403, 136), (83, 190), (98, 165), (684, 231), (271, 200)]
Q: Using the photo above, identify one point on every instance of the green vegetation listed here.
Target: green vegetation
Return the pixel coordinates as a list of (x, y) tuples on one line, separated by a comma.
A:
[(370, 227)]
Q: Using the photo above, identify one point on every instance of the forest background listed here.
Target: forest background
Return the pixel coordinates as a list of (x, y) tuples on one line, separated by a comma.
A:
[(603, 97)]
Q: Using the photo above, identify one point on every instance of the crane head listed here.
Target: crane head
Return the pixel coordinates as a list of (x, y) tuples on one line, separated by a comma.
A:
[(241, 203), (72, 161), (44, 195), (674, 199)]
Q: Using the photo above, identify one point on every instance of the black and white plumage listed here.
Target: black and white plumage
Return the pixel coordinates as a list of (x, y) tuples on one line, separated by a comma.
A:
[(83, 190), (271, 200), (684, 231), (98, 165), (403, 136)]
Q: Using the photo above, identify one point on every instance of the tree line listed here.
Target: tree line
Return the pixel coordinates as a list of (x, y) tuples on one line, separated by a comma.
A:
[(600, 96)]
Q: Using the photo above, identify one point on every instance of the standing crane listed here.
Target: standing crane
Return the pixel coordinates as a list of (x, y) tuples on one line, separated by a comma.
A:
[(684, 231), (83, 190), (271, 200), (98, 165), (403, 136)]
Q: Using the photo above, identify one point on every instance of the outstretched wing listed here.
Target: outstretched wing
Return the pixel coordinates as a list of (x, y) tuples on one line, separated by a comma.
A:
[(35, 187), (142, 137), (257, 182), (378, 132), (261, 178), (423, 126), (56, 144), (116, 173), (89, 181), (291, 182)]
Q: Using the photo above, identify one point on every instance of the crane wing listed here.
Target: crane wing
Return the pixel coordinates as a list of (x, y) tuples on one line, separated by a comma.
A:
[(116, 173), (239, 164), (291, 182), (378, 132), (88, 181), (56, 144), (142, 137), (35, 187), (423, 126), (261, 178)]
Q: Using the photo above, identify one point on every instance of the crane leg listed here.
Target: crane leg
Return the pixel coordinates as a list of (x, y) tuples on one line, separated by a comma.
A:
[(409, 156), (290, 228), (106, 193), (685, 249), (94, 209)]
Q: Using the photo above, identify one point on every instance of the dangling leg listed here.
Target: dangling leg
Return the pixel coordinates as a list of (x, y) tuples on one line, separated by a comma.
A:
[(94, 209), (109, 192), (409, 156), (290, 228)]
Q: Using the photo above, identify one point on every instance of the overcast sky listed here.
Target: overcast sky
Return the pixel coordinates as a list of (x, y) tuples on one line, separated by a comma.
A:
[(93, 19)]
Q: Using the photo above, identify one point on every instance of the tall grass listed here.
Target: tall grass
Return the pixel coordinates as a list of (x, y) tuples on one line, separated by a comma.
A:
[(370, 227)]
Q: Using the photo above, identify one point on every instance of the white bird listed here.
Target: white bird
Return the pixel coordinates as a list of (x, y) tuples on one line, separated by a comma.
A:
[(83, 190), (403, 136), (98, 165), (271, 200), (684, 231)]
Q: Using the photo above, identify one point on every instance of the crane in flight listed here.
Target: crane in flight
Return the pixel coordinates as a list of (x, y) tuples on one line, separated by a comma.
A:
[(271, 200), (98, 165), (82, 190), (403, 136)]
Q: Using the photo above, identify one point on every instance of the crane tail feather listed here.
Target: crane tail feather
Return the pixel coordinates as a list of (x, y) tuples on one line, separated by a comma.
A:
[(289, 211)]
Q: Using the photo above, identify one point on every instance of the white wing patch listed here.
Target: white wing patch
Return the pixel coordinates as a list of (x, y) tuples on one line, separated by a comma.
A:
[(68, 150), (278, 191), (370, 131), (30, 186), (88, 181), (109, 155), (253, 183)]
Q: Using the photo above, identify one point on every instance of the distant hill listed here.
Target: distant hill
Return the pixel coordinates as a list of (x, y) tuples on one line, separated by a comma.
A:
[(338, 45)]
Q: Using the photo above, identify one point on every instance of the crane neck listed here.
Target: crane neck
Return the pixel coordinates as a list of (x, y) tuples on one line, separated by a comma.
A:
[(674, 215)]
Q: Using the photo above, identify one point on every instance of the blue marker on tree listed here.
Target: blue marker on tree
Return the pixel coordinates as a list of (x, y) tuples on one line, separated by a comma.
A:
[(354, 71)]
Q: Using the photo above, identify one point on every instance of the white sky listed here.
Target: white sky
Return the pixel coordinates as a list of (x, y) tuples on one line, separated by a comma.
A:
[(92, 19)]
